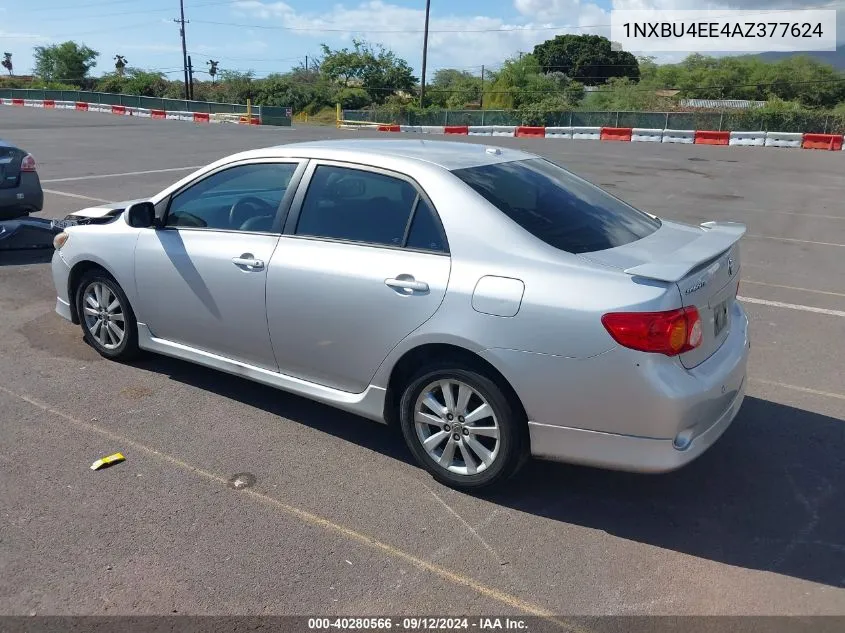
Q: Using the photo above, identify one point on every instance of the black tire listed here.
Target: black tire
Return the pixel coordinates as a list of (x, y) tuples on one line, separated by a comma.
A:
[(513, 440), (128, 347)]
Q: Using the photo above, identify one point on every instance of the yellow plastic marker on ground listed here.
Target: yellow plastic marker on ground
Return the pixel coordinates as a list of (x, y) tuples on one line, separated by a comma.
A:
[(116, 458)]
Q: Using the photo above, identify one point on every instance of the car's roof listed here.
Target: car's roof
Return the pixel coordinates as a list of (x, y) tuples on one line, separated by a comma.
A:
[(446, 154)]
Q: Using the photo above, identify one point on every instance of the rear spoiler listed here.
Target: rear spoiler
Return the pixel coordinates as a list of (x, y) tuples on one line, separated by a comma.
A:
[(716, 238)]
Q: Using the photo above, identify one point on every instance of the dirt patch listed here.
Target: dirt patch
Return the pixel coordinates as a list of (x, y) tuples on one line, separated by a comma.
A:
[(52, 334)]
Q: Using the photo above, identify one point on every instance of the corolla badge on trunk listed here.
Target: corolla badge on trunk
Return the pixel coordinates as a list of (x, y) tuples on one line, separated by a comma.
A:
[(697, 286)]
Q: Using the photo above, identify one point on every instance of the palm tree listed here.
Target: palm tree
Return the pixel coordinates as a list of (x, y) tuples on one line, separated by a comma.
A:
[(119, 64), (212, 70), (7, 62)]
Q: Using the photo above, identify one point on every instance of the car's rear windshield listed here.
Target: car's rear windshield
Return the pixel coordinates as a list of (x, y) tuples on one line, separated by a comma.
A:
[(557, 206)]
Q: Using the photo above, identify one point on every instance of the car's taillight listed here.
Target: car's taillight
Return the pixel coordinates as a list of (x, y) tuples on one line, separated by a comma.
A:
[(28, 163), (671, 333)]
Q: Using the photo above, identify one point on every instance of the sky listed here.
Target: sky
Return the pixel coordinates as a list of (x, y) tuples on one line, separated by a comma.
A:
[(272, 36)]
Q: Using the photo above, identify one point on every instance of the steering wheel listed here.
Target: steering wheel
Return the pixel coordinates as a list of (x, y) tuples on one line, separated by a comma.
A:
[(239, 213)]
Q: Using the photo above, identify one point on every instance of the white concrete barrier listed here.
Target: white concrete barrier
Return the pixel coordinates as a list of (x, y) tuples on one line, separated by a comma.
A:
[(431, 129), (559, 132), (66, 105), (646, 135), (99, 107), (417, 129), (784, 139), (480, 130), (504, 130), (679, 136), (586, 133), (33, 103), (179, 116), (757, 139), (144, 113)]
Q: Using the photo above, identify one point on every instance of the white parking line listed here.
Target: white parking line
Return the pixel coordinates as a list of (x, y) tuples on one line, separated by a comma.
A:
[(763, 283), (74, 195), (815, 392), (792, 306), (126, 173), (792, 239)]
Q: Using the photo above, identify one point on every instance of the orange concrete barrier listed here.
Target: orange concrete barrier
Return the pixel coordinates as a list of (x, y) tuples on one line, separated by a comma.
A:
[(118, 109), (389, 128), (712, 137), (49, 103), (822, 141), (17, 102), (201, 117), (158, 114), (456, 129), (81, 105), (530, 131), (616, 134)]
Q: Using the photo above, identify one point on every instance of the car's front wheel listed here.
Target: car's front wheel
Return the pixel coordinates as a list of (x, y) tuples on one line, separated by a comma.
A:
[(462, 428), (108, 323)]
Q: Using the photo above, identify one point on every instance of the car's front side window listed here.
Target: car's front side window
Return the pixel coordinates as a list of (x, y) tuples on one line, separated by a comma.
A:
[(356, 205), (242, 198)]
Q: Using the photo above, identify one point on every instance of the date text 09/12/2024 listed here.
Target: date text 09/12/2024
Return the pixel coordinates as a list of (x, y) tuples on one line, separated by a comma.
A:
[(417, 624)]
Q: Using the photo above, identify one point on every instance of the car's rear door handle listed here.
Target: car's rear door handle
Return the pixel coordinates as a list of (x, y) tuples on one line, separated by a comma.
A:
[(407, 284), (247, 260)]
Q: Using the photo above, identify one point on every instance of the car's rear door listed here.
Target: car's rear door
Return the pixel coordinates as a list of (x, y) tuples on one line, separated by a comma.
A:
[(363, 262), (201, 276)]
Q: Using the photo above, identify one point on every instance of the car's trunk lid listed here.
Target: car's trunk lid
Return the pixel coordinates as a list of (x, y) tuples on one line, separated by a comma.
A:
[(704, 264), (10, 166)]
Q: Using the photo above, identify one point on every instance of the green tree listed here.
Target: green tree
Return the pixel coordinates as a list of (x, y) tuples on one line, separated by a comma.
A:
[(68, 62), (451, 88), (520, 83), (586, 58), (372, 67)]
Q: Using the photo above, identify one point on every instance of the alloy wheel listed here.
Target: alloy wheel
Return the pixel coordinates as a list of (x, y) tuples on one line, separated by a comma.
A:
[(103, 315), (457, 427)]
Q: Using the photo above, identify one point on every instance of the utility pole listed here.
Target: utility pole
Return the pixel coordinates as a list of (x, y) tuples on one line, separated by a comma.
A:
[(190, 79), (425, 53), (181, 22), (306, 63), (481, 98)]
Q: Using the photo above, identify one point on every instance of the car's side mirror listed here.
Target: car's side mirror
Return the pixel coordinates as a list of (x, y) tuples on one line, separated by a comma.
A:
[(141, 215)]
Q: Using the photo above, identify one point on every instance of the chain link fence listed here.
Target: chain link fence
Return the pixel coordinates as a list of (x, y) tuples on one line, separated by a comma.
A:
[(733, 120), (270, 115)]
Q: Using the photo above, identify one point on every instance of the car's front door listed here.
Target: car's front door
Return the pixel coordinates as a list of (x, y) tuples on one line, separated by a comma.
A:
[(362, 264), (201, 276)]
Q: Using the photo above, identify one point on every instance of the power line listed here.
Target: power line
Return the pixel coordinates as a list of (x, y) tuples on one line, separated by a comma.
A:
[(508, 29)]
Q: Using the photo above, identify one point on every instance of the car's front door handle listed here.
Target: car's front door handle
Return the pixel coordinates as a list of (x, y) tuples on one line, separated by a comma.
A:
[(407, 284), (247, 260)]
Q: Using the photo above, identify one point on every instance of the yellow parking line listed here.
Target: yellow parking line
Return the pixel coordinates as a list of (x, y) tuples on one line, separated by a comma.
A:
[(315, 520), (815, 392)]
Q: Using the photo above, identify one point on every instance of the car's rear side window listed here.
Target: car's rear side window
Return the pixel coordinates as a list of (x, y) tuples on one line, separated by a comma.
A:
[(557, 206)]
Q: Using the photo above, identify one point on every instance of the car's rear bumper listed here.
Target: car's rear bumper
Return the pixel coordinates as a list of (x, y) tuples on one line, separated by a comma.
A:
[(628, 410), (27, 197), (625, 452)]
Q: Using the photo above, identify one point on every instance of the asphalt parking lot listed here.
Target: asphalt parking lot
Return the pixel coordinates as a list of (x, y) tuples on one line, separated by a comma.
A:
[(340, 519)]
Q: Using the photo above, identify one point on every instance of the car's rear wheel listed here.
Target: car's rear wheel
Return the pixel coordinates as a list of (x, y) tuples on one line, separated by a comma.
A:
[(462, 427), (108, 323)]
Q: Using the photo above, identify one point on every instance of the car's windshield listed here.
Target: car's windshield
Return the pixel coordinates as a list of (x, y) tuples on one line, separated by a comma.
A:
[(557, 206)]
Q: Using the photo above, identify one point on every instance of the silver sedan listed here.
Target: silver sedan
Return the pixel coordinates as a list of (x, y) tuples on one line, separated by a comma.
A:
[(488, 301)]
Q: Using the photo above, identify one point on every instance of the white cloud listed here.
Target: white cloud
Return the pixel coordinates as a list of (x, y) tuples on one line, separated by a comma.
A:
[(463, 41)]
